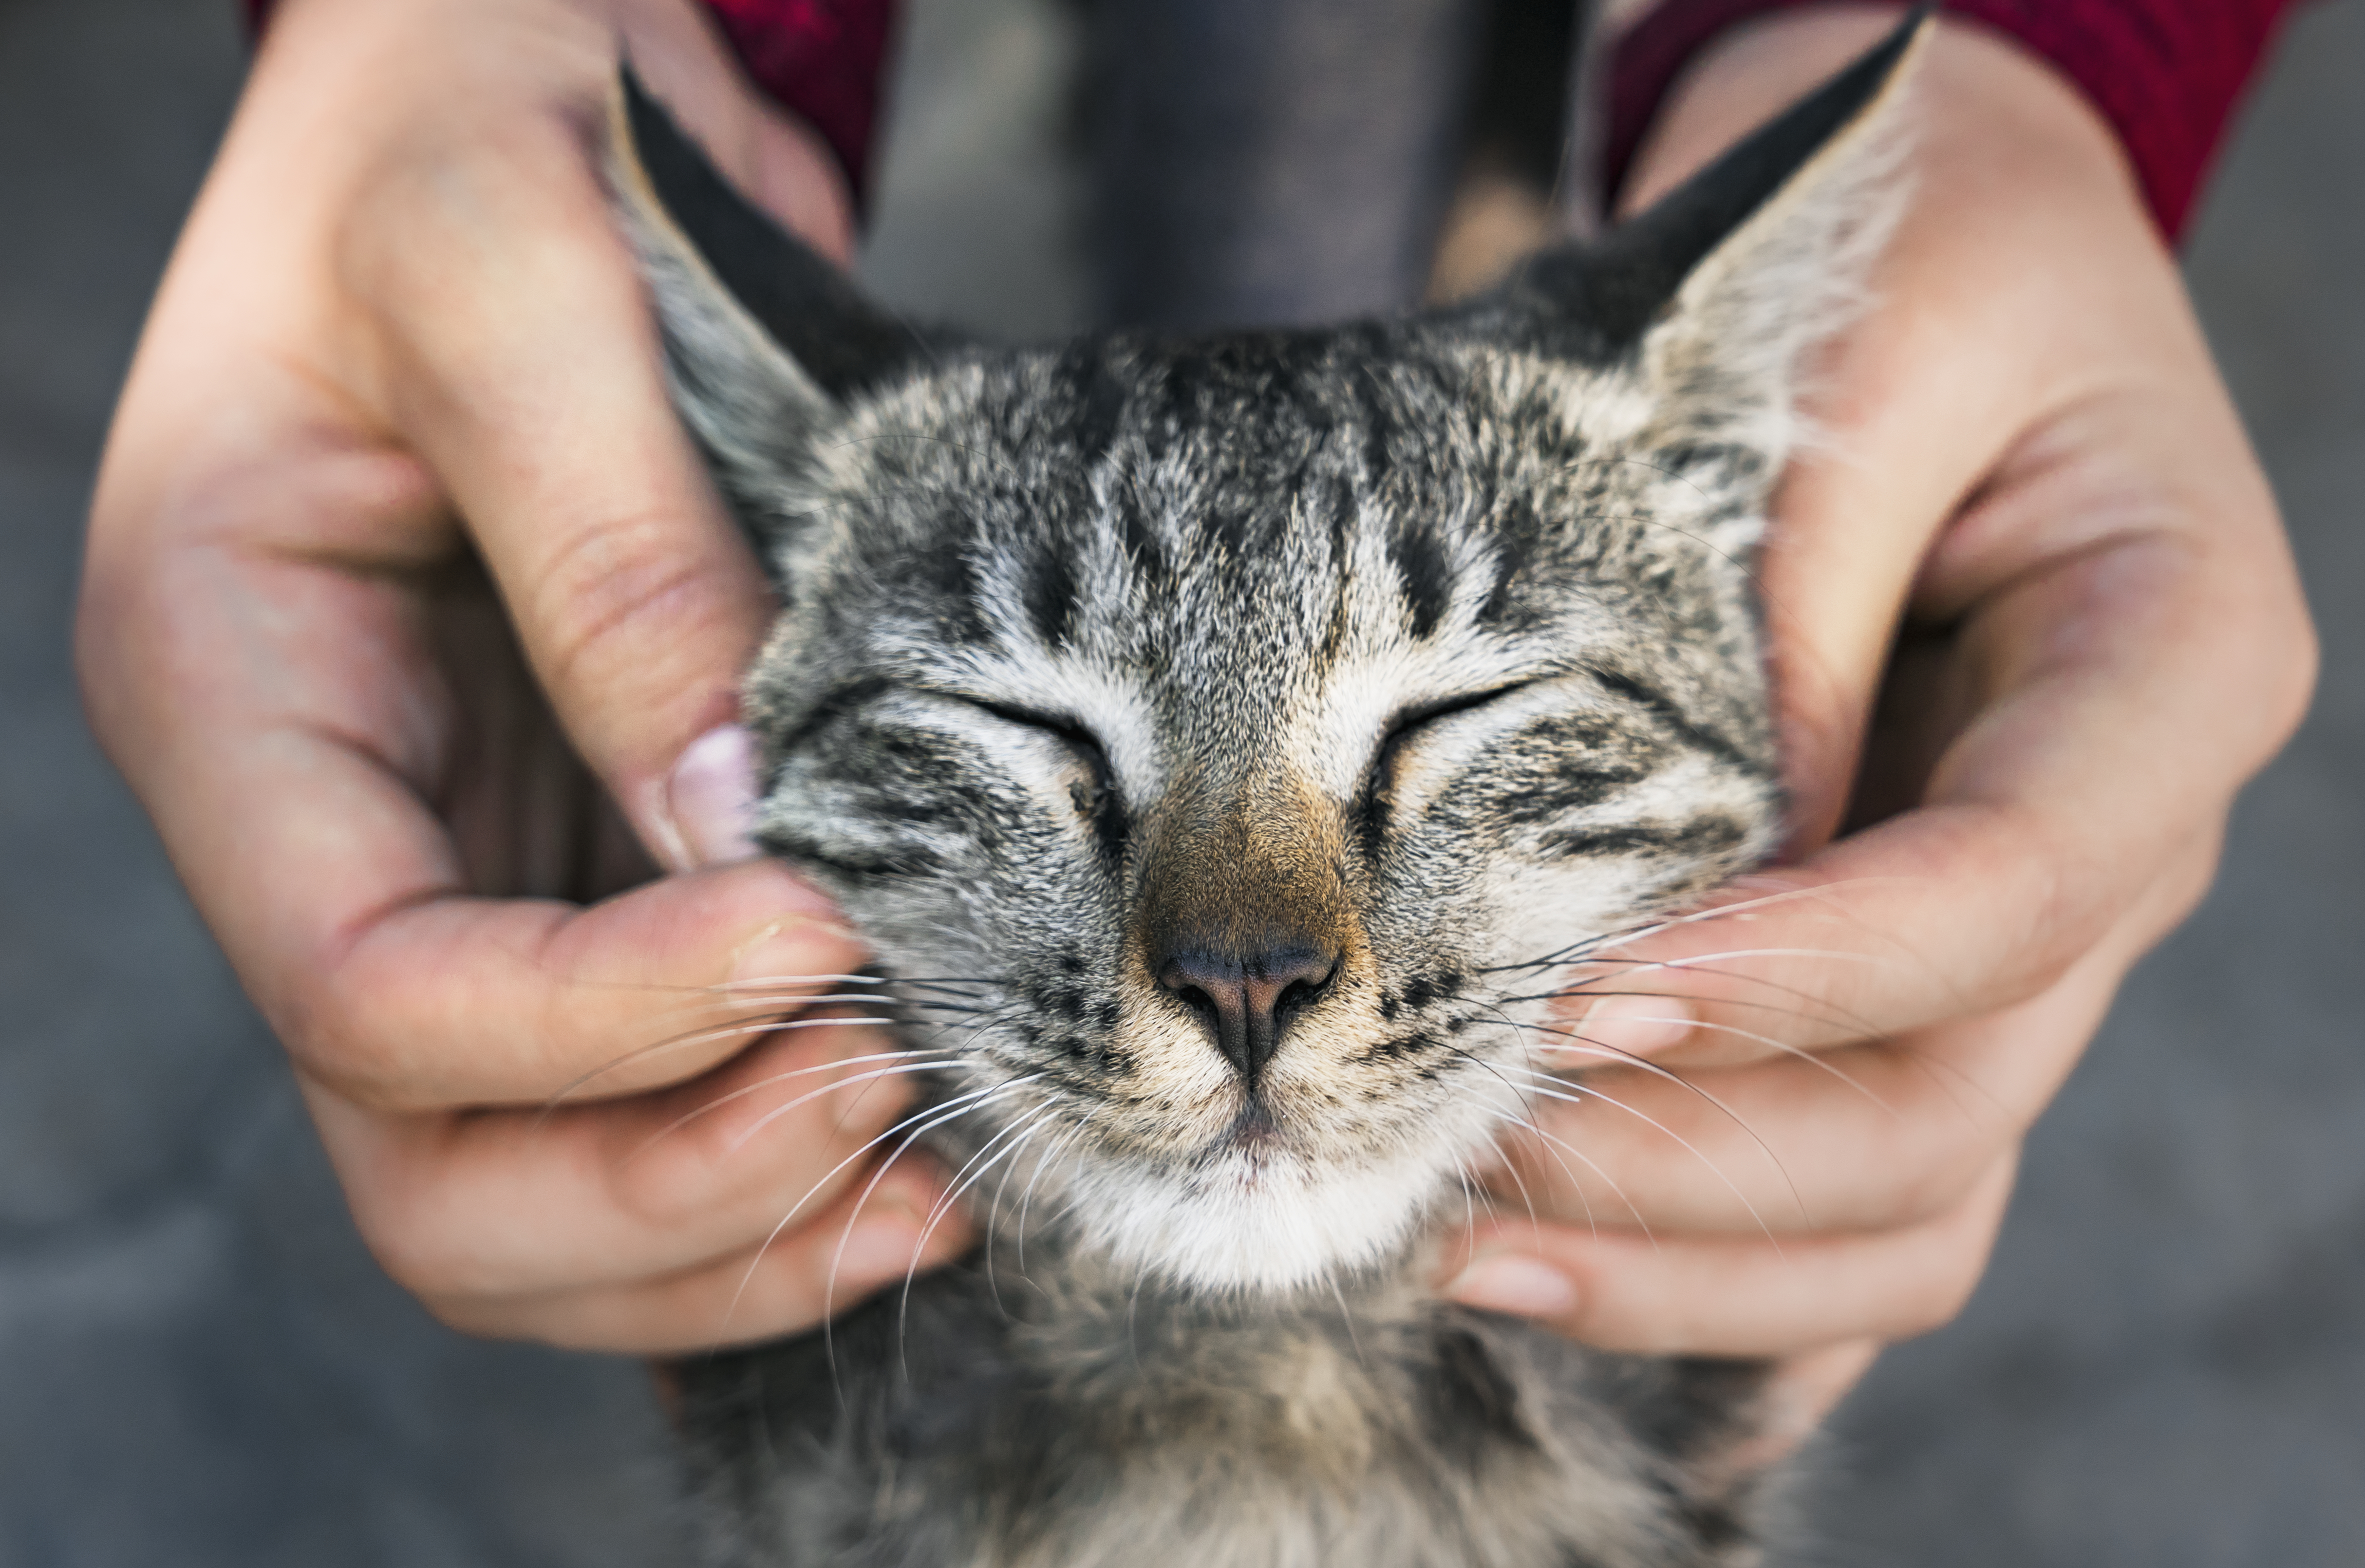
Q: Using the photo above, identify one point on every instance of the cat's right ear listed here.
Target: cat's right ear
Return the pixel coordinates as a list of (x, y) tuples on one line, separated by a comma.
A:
[(1717, 292), (766, 343)]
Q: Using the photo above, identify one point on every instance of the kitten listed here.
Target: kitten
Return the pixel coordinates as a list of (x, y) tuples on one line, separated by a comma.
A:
[(1227, 743)]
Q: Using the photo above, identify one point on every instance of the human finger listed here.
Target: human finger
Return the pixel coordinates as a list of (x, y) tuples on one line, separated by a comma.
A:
[(477, 308), (872, 1239), (2073, 781), (518, 1202), (1860, 1138), (520, 363), (289, 725), (1737, 1298)]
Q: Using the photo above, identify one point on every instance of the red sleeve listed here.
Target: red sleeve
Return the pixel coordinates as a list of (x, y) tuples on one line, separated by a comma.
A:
[(821, 60), (2166, 74)]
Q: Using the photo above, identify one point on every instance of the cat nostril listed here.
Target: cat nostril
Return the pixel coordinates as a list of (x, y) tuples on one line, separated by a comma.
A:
[(1248, 1003)]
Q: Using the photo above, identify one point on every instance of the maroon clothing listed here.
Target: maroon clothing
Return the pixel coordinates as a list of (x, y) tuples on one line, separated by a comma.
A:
[(822, 60), (2166, 74)]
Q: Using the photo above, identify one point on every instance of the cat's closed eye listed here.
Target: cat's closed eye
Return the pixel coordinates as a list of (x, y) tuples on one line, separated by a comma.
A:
[(1408, 723), (1096, 796), (1076, 737)]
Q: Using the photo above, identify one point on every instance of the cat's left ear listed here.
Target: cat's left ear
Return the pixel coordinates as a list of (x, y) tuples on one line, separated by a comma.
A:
[(1720, 286), (766, 341)]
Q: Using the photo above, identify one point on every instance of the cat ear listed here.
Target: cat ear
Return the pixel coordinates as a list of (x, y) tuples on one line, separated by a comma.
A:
[(764, 341), (1721, 286)]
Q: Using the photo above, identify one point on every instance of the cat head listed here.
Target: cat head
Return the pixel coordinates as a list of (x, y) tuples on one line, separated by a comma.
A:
[(1225, 741)]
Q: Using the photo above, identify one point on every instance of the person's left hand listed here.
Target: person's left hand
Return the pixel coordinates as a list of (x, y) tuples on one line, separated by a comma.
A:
[(2031, 457)]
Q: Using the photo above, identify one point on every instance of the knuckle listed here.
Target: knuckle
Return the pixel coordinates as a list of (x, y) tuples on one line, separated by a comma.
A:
[(477, 1316), (468, 242), (1937, 1297), (458, 182), (416, 1253), (671, 1180), (1945, 1165), (702, 1171), (341, 1040), (2291, 689), (596, 592), (2185, 883), (2063, 919), (1953, 1256)]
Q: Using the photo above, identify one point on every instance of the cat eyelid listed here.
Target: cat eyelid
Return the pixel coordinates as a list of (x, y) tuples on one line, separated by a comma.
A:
[(1075, 736), (1407, 720)]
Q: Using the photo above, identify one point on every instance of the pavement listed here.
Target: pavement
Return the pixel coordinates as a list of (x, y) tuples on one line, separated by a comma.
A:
[(201, 1368)]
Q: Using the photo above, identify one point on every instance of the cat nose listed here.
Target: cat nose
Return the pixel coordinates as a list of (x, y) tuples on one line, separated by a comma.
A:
[(1248, 1003)]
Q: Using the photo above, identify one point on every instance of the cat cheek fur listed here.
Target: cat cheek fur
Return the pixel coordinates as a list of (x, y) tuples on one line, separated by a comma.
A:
[(1226, 743)]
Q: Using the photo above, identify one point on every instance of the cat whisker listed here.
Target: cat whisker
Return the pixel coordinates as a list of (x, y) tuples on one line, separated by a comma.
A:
[(960, 987), (774, 1114), (1532, 1124), (1831, 1014), (1598, 988), (1695, 960), (1526, 1118), (1812, 1058), (784, 982), (1577, 1095), (721, 1100), (723, 989), (1525, 1196), (1750, 909), (1027, 1199), (950, 984), (1582, 1046), (1743, 909), (765, 1024), (1018, 1133), (1354, 1341), (1519, 1034), (941, 1115), (1469, 1200), (1828, 1019), (923, 1121), (790, 1001), (993, 1216)]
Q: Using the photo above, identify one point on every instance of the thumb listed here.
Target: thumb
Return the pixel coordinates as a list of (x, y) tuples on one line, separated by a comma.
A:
[(522, 363)]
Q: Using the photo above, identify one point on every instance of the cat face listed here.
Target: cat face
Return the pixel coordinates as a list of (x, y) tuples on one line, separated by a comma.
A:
[(1236, 722), (1224, 741)]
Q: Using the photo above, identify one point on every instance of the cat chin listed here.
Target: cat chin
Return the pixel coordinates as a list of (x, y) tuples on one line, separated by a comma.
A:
[(1256, 1227)]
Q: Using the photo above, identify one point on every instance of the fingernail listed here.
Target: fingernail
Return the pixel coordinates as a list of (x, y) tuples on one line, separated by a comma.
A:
[(711, 799), (879, 1246), (1636, 1026), (1512, 1282), (800, 949), (886, 1237)]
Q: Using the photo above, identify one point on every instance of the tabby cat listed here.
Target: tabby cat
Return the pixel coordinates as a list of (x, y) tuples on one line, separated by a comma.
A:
[(1226, 742)]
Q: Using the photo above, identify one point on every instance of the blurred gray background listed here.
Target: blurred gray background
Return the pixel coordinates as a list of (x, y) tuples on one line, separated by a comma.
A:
[(200, 1368)]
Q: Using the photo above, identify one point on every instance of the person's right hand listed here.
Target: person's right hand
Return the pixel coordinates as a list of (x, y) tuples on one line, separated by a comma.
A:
[(395, 461)]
